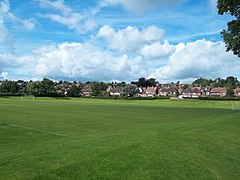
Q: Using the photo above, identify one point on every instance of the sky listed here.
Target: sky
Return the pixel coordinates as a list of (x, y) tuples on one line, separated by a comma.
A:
[(113, 40)]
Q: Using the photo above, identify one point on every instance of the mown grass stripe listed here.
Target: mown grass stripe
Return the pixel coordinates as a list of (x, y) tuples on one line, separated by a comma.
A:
[(34, 129)]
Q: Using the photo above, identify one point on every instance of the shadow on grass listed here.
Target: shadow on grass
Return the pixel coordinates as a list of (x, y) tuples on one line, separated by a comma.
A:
[(65, 98)]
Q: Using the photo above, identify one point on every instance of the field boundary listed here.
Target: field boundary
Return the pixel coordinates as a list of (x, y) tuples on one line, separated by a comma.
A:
[(34, 129)]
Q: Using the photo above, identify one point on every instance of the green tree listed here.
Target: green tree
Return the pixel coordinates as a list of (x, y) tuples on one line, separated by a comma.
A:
[(47, 87), (41, 88), (231, 82), (142, 82), (8, 87), (130, 90), (74, 91), (231, 36), (98, 88), (201, 81), (218, 82), (33, 87), (151, 82), (230, 92)]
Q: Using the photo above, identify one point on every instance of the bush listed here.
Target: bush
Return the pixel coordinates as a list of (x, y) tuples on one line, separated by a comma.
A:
[(220, 98)]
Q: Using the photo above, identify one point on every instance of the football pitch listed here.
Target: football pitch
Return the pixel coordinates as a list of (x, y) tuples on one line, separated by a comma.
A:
[(49, 138)]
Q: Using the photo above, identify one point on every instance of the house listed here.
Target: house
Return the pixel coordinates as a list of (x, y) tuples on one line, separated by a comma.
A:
[(237, 92), (148, 92), (116, 91), (151, 91), (86, 91), (191, 92), (219, 92), (170, 91), (141, 91), (206, 91)]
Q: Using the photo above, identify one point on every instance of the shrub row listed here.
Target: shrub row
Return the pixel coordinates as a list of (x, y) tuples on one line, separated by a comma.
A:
[(220, 98)]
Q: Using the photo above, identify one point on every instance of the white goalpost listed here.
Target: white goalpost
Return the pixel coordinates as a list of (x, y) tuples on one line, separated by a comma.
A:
[(27, 97), (235, 107)]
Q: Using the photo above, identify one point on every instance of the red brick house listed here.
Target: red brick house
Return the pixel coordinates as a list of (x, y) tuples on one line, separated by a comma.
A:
[(219, 92), (170, 91), (149, 92), (191, 92), (86, 91), (237, 92)]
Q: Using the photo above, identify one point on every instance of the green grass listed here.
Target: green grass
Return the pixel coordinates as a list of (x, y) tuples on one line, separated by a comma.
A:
[(107, 139)]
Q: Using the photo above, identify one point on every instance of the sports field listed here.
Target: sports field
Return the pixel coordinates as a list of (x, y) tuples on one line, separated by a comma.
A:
[(49, 138)]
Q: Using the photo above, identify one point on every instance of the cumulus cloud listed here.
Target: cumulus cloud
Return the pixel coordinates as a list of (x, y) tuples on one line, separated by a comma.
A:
[(141, 5), (127, 54), (4, 75), (130, 39), (84, 61), (196, 59), (67, 16), (157, 49), (7, 60)]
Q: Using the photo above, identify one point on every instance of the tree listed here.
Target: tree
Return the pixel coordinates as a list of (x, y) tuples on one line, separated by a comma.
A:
[(231, 36), (47, 87), (74, 91), (8, 87), (142, 82), (231, 82), (201, 81), (42, 88), (151, 82), (33, 88), (230, 92), (98, 88), (130, 90)]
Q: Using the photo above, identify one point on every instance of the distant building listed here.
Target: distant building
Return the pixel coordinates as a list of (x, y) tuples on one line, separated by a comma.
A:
[(191, 92), (86, 91), (148, 92), (206, 91), (237, 92), (218, 92), (170, 91), (116, 91)]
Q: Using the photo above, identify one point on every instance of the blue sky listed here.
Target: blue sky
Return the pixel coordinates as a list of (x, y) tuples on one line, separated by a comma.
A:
[(113, 40)]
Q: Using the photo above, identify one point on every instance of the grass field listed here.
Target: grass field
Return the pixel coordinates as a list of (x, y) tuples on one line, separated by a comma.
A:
[(106, 139)]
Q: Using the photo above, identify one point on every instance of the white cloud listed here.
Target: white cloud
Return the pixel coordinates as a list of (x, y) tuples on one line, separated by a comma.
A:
[(138, 6), (84, 61), (127, 54), (4, 75), (196, 59), (130, 39), (58, 5), (67, 16), (5, 13), (157, 49), (28, 24), (6, 39)]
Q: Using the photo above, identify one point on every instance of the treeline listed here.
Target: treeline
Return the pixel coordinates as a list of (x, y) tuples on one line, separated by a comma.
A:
[(230, 82), (45, 87), (49, 88)]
